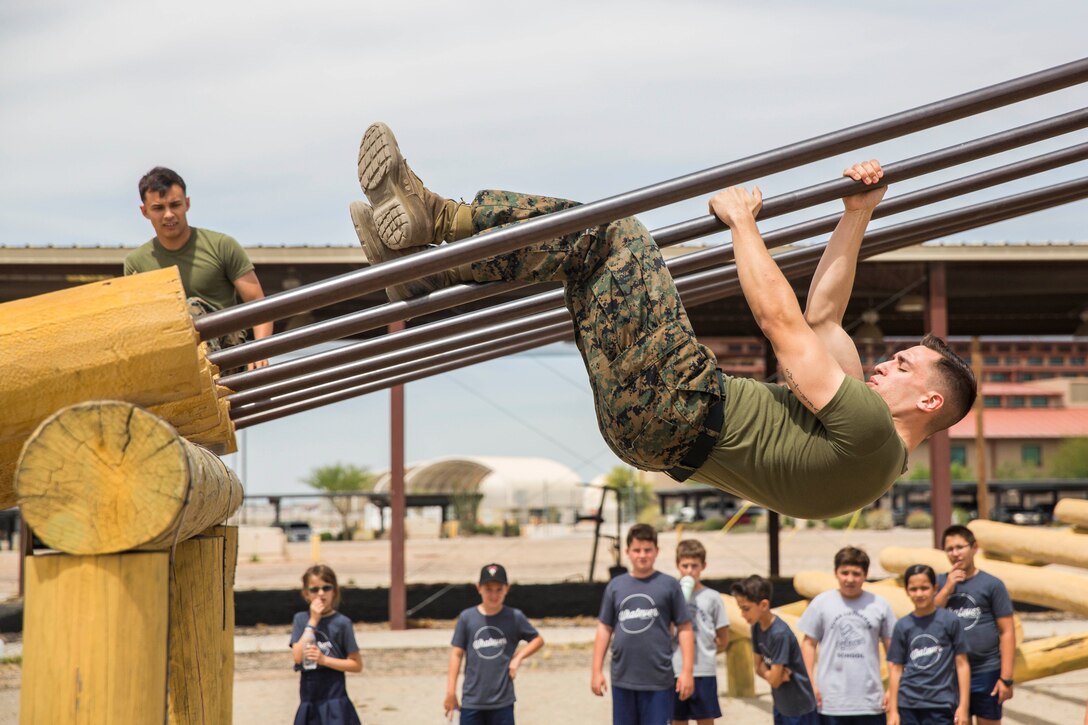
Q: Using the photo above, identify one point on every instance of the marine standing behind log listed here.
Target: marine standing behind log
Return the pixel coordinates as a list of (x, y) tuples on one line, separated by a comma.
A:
[(215, 270)]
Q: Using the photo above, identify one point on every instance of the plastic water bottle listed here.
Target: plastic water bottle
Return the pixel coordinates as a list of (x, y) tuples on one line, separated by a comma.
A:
[(687, 586), (308, 639)]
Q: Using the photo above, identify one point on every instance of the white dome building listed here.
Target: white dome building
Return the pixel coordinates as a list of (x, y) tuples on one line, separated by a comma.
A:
[(523, 489)]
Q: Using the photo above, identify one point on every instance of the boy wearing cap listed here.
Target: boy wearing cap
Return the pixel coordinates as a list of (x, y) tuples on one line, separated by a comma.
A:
[(486, 637)]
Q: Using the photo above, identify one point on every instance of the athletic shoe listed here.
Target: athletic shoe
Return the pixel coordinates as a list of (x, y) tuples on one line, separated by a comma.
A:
[(405, 211)]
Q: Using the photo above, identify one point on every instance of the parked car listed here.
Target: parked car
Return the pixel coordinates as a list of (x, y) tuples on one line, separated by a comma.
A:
[(296, 530), (1035, 516)]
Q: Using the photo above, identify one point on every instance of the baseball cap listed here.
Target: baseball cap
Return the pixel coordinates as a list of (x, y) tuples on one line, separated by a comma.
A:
[(493, 573)]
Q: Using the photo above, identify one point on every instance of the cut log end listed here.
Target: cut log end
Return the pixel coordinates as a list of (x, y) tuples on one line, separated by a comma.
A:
[(107, 476)]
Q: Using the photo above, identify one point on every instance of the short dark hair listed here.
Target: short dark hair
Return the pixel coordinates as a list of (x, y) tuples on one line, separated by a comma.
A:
[(852, 556), (690, 549), (915, 570), (642, 532), (961, 531), (754, 588), (159, 180), (957, 381)]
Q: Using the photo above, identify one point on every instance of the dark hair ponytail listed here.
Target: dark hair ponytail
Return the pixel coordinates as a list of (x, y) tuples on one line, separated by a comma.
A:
[(915, 570)]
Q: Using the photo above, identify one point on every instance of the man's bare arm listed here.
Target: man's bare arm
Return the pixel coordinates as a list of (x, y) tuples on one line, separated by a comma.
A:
[(249, 289), (811, 373), (833, 281)]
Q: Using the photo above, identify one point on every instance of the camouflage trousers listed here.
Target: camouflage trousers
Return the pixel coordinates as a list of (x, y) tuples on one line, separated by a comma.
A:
[(652, 381), (198, 307)]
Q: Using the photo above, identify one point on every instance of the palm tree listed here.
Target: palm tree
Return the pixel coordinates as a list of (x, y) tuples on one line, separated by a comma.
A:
[(340, 478)]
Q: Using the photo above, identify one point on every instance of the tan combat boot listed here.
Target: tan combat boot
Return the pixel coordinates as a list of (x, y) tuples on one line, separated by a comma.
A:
[(362, 216), (406, 213)]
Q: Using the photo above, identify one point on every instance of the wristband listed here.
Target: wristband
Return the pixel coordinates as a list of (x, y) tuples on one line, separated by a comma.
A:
[(1008, 682)]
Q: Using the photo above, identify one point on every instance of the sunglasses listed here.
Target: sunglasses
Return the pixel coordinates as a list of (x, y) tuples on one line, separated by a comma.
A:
[(322, 588)]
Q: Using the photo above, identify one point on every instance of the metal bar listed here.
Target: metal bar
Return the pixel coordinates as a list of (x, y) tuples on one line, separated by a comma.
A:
[(498, 241), (317, 402), (721, 283), (252, 401), (373, 318), (346, 361)]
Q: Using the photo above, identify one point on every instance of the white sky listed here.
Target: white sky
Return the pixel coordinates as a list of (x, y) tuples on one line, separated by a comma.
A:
[(260, 106)]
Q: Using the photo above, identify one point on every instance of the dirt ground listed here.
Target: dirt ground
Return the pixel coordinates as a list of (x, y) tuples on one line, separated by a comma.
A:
[(405, 683)]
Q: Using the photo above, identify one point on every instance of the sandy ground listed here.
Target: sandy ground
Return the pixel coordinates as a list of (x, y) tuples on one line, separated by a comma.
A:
[(404, 677)]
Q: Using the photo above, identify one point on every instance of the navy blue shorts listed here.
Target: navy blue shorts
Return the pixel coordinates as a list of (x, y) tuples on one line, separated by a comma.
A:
[(703, 703), (878, 719), (926, 716), (500, 716), (809, 718), (640, 707), (983, 704)]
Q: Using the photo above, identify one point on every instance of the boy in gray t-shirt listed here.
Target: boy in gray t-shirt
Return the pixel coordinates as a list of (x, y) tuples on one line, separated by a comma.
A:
[(848, 624), (638, 611), (487, 637), (710, 625)]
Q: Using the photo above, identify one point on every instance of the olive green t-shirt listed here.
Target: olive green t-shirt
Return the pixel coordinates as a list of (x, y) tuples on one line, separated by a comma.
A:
[(775, 452), (208, 263)]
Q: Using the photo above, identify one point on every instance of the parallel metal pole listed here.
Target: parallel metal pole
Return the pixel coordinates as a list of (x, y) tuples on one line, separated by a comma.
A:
[(353, 359), (373, 318), (354, 284), (707, 287)]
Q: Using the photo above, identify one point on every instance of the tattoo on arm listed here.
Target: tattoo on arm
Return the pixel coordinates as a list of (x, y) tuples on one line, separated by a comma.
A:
[(792, 384)]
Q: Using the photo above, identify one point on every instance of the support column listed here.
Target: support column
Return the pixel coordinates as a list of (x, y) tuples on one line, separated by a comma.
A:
[(940, 474), (770, 370), (398, 601)]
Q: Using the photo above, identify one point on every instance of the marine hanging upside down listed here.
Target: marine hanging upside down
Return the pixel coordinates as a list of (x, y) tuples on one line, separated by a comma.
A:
[(826, 443)]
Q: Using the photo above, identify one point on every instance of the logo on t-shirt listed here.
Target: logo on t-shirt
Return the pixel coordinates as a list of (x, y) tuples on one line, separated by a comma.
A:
[(964, 606), (850, 638), (925, 651), (637, 613), (489, 642)]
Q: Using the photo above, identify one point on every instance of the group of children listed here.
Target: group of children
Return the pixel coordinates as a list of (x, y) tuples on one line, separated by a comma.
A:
[(948, 660)]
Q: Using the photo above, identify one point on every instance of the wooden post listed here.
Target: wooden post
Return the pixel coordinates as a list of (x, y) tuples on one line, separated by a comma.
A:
[(202, 629), (940, 455), (106, 476), (129, 338), (94, 639), (740, 673), (398, 597), (982, 490)]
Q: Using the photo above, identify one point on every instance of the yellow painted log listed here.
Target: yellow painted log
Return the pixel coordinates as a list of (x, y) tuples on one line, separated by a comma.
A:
[(202, 630), (129, 338), (1072, 511), (1035, 585), (95, 639), (740, 672), (1050, 545), (106, 476), (1051, 656)]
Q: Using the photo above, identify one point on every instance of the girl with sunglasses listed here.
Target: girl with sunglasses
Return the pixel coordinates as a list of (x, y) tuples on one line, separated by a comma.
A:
[(324, 648)]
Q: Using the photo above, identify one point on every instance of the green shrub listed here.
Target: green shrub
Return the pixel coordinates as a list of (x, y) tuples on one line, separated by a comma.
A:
[(327, 536), (879, 519), (919, 520), (839, 522), (960, 516), (712, 524), (484, 529)]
